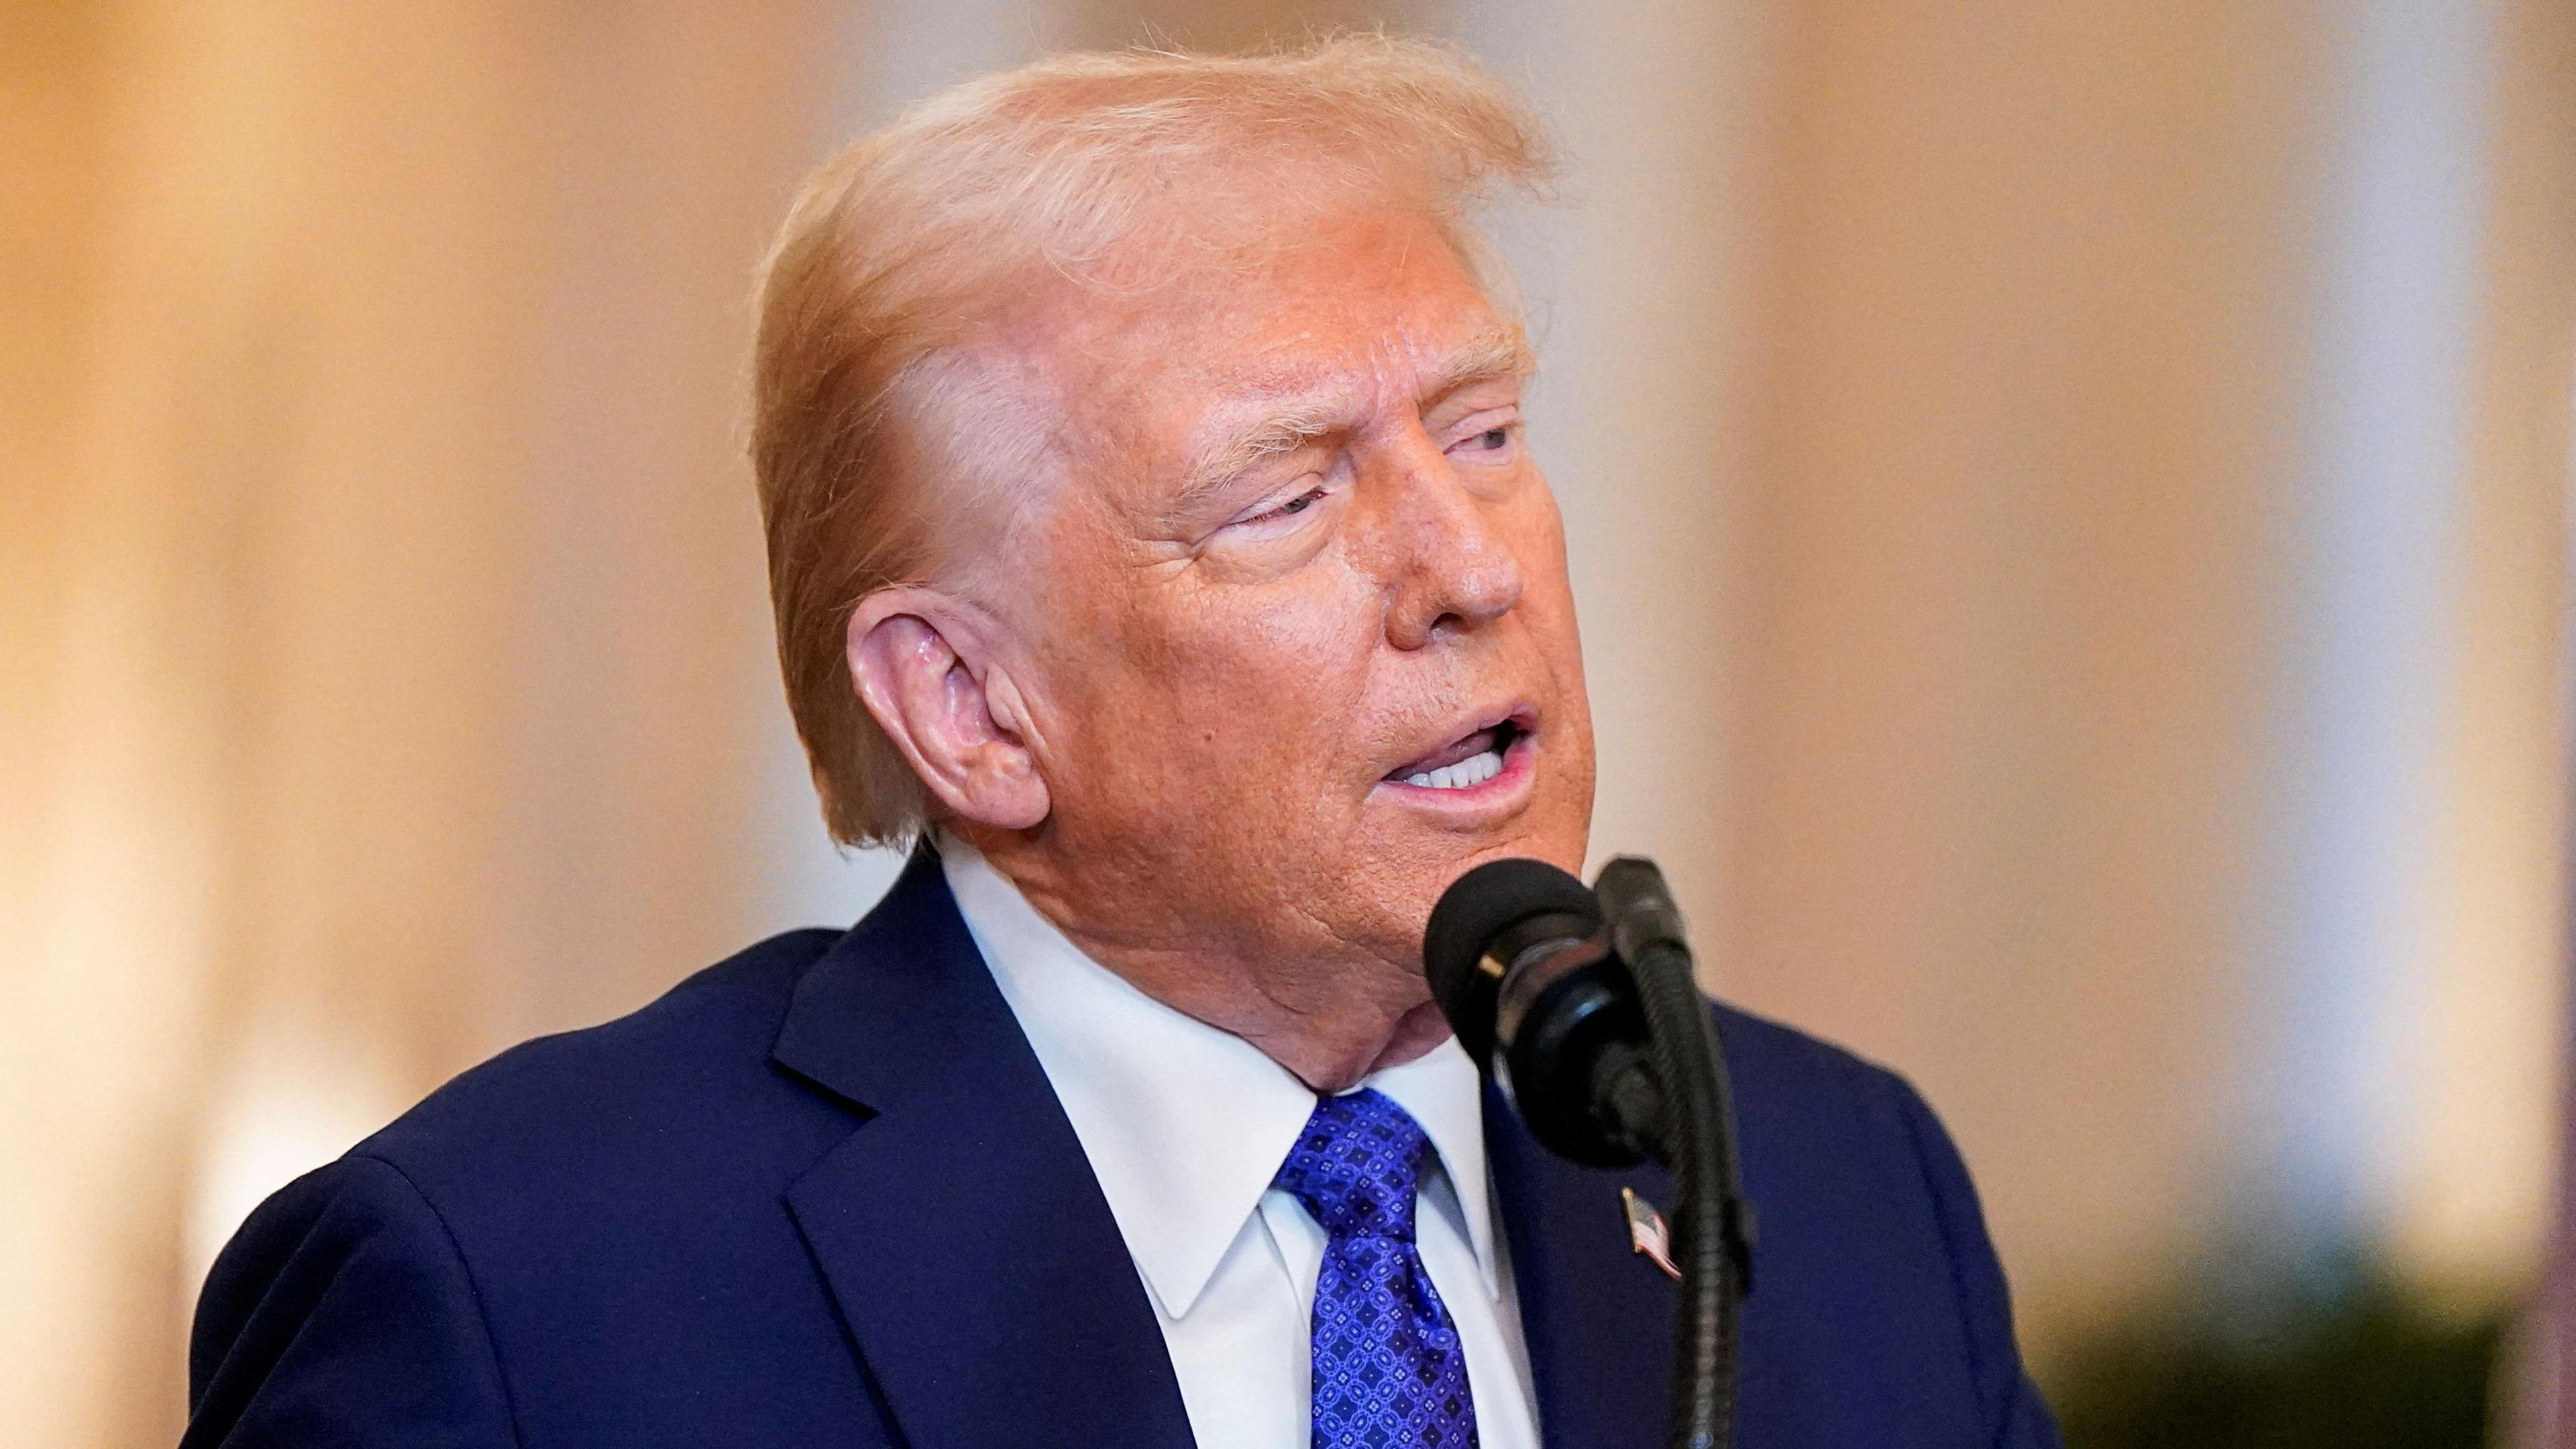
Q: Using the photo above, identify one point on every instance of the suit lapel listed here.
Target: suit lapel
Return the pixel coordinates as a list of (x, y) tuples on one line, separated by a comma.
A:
[(1596, 1315), (960, 1228)]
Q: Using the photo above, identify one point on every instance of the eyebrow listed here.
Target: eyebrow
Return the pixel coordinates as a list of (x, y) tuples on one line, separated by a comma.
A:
[(1300, 417)]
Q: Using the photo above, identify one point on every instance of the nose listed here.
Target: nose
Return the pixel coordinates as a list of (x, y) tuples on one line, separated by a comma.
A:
[(1451, 570)]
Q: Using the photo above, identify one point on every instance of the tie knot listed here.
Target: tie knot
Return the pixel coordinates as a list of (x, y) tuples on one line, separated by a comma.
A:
[(1356, 1166)]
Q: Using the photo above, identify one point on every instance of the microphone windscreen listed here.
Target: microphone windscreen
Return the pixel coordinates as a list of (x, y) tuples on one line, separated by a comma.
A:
[(1479, 907)]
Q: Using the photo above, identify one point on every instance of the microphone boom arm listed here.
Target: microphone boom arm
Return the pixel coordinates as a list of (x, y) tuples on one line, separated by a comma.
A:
[(1712, 1223)]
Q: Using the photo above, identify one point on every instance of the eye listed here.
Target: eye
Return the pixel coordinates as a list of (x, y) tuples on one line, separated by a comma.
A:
[(1492, 443), (1292, 507)]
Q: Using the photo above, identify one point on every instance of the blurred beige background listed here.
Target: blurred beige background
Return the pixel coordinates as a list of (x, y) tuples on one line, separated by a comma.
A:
[(2068, 499)]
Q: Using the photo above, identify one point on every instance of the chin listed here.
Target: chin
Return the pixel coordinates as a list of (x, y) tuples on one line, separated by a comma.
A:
[(1436, 864)]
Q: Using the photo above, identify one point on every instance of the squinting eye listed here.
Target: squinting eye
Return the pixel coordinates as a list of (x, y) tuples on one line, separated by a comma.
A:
[(1493, 438), (1292, 507)]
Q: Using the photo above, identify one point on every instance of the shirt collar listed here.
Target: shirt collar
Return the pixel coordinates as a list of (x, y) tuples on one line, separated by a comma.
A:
[(1185, 1125)]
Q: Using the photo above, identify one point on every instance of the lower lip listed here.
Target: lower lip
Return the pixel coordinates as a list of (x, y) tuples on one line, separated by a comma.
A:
[(1507, 788)]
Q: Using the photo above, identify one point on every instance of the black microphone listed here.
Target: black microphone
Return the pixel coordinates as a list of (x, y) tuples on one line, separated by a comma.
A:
[(1583, 1006), (1519, 959)]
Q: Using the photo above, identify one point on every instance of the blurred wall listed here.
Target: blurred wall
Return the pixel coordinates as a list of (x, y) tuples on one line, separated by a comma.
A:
[(2042, 659), (387, 650), (2154, 554), (2034, 341), (2476, 1139)]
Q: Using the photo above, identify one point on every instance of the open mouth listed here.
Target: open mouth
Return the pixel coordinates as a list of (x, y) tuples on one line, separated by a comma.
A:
[(1465, 763)]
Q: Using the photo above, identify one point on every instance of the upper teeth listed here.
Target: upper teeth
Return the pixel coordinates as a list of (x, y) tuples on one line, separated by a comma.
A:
[(1473, 770)]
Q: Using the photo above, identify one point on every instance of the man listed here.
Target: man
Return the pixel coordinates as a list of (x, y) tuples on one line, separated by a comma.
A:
[(1153, 535)]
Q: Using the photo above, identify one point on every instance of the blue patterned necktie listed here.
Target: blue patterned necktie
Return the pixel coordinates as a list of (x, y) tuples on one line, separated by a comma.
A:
[(1389, 1373)]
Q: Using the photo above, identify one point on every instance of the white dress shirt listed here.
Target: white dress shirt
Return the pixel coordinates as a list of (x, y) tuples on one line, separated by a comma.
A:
[(1185, 1126)]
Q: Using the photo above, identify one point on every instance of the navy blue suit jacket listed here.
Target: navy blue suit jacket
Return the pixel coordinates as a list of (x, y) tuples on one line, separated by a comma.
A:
[(821, 1194)]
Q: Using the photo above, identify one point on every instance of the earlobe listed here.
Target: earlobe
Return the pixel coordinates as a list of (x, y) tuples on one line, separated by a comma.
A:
[(922, 666)]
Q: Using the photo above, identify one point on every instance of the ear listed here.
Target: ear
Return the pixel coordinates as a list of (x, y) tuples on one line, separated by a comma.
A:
[(924, 668)]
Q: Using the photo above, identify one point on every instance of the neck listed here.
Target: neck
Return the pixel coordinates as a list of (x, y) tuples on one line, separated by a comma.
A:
[(1328, 1064), (1331, 1016)]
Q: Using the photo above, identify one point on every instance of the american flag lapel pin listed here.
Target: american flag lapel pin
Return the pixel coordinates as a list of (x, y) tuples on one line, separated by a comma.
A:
[(1647, 1233)]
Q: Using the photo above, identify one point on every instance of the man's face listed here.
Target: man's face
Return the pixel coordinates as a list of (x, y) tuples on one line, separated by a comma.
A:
[(1298, 638)]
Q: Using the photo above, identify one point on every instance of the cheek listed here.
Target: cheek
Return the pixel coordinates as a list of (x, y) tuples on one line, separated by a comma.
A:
[(1266, 671), (1547, 600), (1547, 612), (1234, 693)]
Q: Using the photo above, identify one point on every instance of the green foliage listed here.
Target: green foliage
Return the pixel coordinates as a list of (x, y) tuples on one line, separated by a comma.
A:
[(2368, 1368)]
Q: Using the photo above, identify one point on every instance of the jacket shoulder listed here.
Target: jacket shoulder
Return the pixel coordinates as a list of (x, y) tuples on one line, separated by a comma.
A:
[(1840, 1136), (627, 1102), (583, 1240), (1775, 1049), (1857, 1182), (296, 1331)]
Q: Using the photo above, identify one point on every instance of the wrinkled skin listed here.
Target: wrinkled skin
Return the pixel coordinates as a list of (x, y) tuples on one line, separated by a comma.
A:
[(1170, 713)]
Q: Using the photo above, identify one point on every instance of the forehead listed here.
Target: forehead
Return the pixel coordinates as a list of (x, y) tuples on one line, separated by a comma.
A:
[(1358, 306)]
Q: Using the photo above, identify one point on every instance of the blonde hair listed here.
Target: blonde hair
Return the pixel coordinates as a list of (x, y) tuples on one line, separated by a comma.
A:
[(900, 247)]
